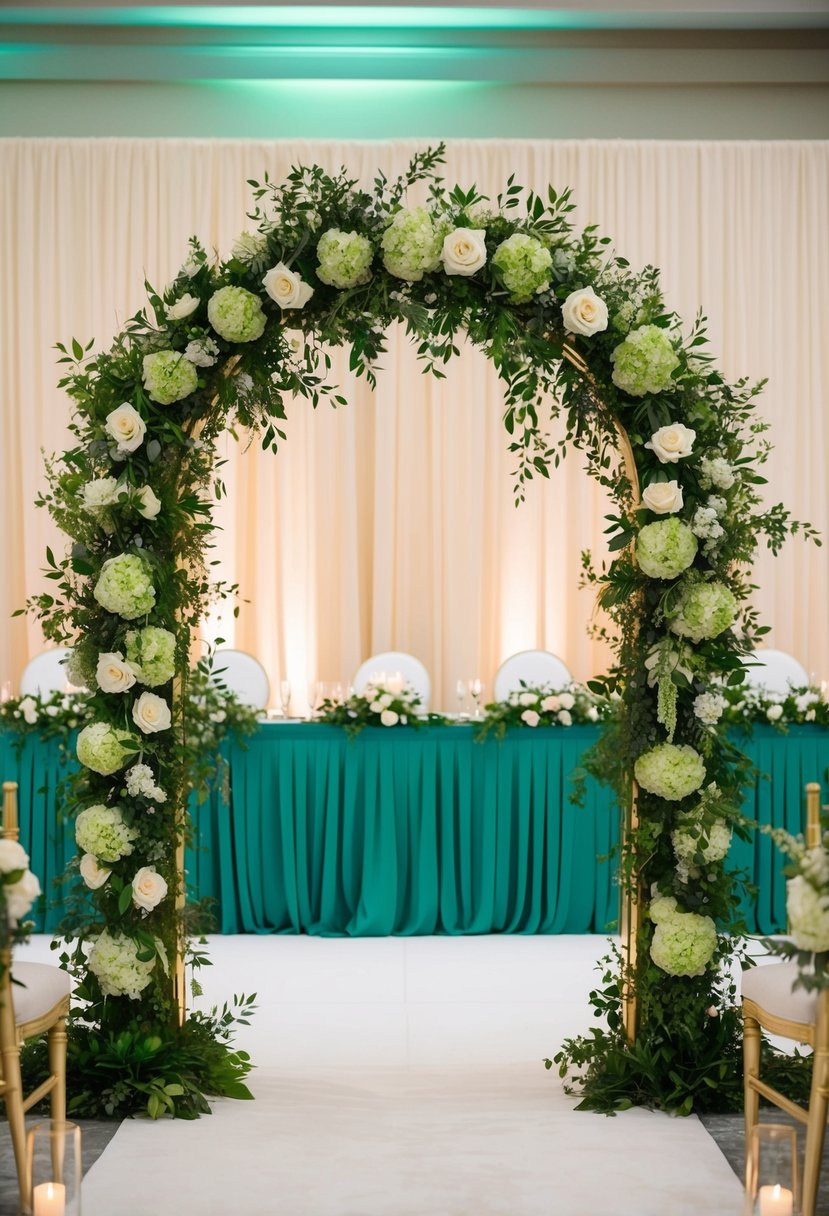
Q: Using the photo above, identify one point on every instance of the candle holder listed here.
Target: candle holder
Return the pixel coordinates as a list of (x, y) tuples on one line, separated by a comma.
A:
[(772, 1183), (54, 1169)]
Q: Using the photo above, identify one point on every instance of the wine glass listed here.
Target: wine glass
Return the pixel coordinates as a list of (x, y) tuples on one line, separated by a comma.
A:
[(316, 696), (476, 690), (284, 697), (461, 687)]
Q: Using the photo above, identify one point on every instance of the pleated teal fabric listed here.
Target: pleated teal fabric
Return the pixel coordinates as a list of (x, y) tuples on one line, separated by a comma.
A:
[(415, 831)]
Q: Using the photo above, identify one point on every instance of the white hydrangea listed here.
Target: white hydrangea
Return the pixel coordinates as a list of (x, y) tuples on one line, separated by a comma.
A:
[(99, 494), (808, 911), (202, 352), (706, 525), (114, 960), (716, 473), (708, 707), (141, 784), (412, 244)]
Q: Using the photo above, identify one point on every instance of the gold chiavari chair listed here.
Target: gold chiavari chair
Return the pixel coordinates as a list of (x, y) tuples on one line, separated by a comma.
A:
[(770, 1003), (36, 1003)]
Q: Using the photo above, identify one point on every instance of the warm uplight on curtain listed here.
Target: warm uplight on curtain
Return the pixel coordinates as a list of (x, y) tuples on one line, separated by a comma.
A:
[(390, 522)]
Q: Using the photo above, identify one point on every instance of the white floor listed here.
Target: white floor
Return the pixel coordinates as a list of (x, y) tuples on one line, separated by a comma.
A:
[(403, 1077)]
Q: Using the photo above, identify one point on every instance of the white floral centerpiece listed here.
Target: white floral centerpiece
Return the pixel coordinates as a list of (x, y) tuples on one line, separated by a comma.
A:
[(383, 702), (531, 706)]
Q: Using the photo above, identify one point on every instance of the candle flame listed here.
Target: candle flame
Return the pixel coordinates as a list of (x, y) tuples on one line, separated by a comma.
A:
[(776, 1192)]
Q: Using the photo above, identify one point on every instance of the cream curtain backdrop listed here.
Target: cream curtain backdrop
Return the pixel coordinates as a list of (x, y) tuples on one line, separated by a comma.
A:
[(390, 522)]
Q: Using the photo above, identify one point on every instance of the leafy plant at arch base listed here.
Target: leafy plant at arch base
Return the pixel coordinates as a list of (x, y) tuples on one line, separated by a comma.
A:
[(229, 344)]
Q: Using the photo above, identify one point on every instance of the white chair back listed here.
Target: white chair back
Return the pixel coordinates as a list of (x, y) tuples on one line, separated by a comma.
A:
[(538, 668), (243, 675), (775, 671), (45, 673), (393, 663)]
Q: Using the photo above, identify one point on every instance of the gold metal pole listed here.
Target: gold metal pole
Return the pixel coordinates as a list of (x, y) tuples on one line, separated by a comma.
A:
[(630, 915), (813, 829), (9, 823)]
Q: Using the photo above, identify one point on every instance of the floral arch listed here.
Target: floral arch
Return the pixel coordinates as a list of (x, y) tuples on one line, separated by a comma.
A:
[(571, 330)]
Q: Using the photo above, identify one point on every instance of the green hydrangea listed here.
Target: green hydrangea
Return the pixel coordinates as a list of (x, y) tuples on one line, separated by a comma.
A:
[(101, 748), (665, 548), (102, 831), (412, 244), (125, 587), (236, 314), (670, 770), (683, 942), (808, 913), (644, 362), (169, 376), (344, 259), (524, 266), (705, 610), (152, 653), (115, 962)]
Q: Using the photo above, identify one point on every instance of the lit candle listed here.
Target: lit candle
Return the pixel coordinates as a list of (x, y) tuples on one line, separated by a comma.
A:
[(49, 1199), (771, 1201), (395, 683)]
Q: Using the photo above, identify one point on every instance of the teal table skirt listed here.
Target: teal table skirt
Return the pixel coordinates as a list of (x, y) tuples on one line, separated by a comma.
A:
[(415, 832)]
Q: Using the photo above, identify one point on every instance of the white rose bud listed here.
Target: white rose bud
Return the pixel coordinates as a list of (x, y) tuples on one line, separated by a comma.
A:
[(114, 673), (567, 700), (151, 713), (28, 708), (530, 717), (389, 717), (92, 872), (182, 308), (148, 888), (126, 426), (774, 713), (584, 312), (527, 698), (551, 705), (671, 443), (464, 251), (148, 505), (565, 718), (287, 289), (663, 497)]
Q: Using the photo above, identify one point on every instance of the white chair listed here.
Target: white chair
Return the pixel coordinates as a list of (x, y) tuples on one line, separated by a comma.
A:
[(775, 671), (537, 668), (243, 675), (45, 673), (393, 663), (37, 1003)]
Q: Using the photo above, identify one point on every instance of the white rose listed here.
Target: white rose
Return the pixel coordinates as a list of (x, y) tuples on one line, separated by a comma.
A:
[(663, 497), (567, 700), (389, 717), (92, 872), (149, 505), (527, 698), (12, 857), (28, 708), (774, 712), (182, 308), (464, 251), (127, 427), (530, 717), (593, 713), (148, 888), (20, 896), (114, 673), (151, 713), (584, 312), (670, 443), (286, 288), (551, 705), (565, 718)]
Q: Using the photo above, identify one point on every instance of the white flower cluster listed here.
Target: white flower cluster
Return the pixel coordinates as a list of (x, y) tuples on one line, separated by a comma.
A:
[(19, 887), (141, 784), (202, 352), (706, 526), (683, 942), (557, 705), (412, 244), (380, 696), (698, 841), (103, 831), (808, 911), (115, 962), (716, 473), (251, 249), (709, 707)]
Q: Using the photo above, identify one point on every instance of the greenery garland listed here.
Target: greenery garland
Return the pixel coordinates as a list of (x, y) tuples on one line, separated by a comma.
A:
[(228, 343)]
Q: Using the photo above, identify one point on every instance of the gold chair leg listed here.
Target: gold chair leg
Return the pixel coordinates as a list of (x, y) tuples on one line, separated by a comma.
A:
[(751, 1068), (14, 1113), (815, 1130), (56, 1040)]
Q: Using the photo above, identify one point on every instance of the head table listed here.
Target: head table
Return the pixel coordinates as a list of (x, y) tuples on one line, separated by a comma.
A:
[(404, 831)]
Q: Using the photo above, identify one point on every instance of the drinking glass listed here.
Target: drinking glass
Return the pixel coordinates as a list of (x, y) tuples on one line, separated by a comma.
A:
[(316, 696), (284, 697), (5, 691), (476, 691), (461, 687)]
